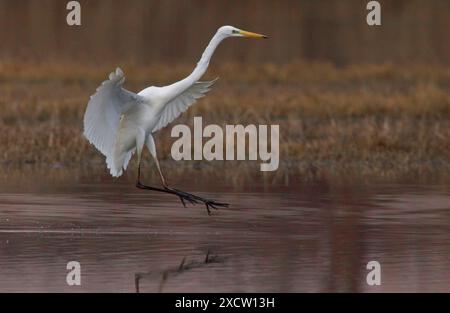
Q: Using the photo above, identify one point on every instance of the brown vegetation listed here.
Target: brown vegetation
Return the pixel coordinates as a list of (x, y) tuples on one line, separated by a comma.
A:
[(369, 120)]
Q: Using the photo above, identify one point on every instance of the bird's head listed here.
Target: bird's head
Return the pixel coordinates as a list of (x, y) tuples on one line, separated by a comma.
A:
[(230, 31)]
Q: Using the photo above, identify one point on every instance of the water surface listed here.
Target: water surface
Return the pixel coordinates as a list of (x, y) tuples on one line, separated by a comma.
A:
[(284, 238)]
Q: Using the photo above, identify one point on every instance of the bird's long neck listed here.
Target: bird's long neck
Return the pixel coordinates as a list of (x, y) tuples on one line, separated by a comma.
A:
[(179, 87), (203, 64)]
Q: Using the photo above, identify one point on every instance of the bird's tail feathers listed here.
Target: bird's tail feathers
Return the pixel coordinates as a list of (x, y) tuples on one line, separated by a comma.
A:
[(119, 163)]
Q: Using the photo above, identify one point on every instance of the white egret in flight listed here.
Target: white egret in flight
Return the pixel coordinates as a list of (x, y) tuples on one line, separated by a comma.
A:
[(119, 122)]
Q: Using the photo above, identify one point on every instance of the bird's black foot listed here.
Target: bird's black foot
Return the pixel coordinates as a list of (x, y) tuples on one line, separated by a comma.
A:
[(193, 199), (186, 197)]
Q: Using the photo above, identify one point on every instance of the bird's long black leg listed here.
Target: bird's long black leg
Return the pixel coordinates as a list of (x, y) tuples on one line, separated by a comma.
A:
[(142, 186), (184, 196)]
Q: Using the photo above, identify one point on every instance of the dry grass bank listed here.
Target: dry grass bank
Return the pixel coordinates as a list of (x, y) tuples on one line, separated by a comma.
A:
[(384, 121)]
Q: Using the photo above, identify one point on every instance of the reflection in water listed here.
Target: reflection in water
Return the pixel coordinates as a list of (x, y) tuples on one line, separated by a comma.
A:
[(182, 268), (314, 237)]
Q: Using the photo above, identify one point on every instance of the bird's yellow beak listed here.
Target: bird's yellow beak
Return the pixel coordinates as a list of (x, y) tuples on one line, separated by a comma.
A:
[(252, 35)]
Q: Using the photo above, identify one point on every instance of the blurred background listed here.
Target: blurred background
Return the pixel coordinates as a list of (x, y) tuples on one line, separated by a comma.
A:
[(345, 93), (364, 115), (146, 31)]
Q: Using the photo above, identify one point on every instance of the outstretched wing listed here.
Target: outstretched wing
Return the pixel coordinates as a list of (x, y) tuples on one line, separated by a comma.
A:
[(174, 108), (104, 109)]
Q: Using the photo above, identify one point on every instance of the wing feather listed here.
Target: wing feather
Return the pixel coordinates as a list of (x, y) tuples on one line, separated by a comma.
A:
[(174, 108), (103, 112)]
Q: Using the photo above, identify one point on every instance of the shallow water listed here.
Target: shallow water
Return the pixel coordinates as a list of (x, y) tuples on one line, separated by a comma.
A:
[(296, 238)]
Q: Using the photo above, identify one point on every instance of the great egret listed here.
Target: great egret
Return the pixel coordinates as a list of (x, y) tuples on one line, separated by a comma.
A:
[(119, 122)]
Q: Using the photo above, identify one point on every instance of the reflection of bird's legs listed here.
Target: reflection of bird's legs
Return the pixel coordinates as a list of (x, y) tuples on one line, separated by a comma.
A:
[(137, 278)]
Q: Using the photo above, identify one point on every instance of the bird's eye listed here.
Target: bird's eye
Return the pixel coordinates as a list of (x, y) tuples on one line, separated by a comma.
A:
[(234, 31)]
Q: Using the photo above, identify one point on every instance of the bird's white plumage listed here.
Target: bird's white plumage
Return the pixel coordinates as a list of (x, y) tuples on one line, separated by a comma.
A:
[(118, 122), (116, 117), (104, 110), (174, 108)]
